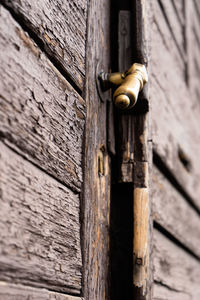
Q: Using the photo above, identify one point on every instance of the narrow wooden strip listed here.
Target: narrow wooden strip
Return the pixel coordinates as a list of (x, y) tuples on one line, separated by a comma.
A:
[(140, 243), (39, 227), (185, 226), (10, 291), (41, 115), (61, 28), (97, 178), (174, 268)]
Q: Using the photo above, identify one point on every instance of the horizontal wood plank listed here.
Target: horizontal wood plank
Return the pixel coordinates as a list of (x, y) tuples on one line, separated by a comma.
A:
[(174, 213), (41, 115), (175, 269), (39, 227), (61, 27), (175, 123), (16, 291)]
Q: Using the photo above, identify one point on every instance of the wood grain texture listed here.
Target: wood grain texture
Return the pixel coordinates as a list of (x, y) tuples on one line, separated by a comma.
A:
[(20, 292), (163, 30), (97, 162), (171, 18), (41, 115), (39, 227), (175, 269), (161, 292), (61, 28), (175, 124), (193, 44), (174, 213)]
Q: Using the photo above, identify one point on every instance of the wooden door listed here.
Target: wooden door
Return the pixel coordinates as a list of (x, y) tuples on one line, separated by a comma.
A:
[(54, 196)]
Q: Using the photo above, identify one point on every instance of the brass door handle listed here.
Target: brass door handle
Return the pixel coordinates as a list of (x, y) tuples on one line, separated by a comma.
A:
[(129, 83)]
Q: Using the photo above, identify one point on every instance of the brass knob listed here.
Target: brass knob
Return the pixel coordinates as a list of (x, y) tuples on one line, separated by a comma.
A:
[(129, 84), (125, 96)]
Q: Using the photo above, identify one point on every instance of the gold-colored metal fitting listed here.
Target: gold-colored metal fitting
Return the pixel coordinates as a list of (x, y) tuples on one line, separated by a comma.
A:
[(130, 84)]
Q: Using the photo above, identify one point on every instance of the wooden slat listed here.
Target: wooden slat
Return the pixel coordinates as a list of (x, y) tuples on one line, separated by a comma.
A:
[(174, 213), (174, 25), (96, 158), (167, 34), (175, 269), (161, 292), (179, 8), (39, 227), (193, 41), (17, 291), (61, 27), (175, 124), (41, 115)]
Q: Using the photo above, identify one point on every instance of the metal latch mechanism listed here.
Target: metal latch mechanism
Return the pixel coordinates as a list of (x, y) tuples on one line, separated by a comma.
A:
[(129, 83)]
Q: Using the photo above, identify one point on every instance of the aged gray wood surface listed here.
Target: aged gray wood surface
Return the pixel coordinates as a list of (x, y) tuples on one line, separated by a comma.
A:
[(161, 292), (41, 115), (174, 213), (175, 122), (39, 227), (96, 160), (61, 28), (193, 37), (19, 292), (175, 269)]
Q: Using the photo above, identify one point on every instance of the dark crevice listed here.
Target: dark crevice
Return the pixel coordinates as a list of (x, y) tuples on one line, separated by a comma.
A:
[(184, 160), (160, 164), (165, 232), (19, 18), (121, 240), (121, 209)]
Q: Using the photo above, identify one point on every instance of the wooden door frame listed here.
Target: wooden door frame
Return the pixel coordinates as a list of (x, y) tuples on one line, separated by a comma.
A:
[(96, 189)]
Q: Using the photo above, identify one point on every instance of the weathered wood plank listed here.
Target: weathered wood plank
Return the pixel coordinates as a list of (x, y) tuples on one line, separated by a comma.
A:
[(161, 292), (20, 292), (161, 35), (179, 7), (166, 202), (174, 268), (173, 23), (175, 124), (193, 42), (96, 159), (61, 27), (40, 113), (39, 227)]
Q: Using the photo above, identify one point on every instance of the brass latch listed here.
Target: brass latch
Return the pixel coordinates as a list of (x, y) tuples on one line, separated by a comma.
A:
[(130, 84)]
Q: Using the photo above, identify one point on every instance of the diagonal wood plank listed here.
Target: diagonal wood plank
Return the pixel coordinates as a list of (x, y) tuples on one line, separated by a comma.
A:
[(41, 115), (61, 28)]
